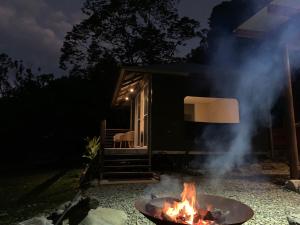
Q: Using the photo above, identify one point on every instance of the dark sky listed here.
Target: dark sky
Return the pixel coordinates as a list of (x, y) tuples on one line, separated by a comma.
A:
[(33, 30)]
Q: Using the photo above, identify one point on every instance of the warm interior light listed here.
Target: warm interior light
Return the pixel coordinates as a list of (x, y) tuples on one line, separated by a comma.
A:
[(131, 90), (211, 110), (126, 98)]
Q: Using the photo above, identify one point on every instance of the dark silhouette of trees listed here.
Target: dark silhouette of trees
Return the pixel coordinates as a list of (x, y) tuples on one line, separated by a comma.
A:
[(46, 119), (48, 123), (6, 64), (15, 77), (200, 54), (225, 18), (128, 32), (221, 40)]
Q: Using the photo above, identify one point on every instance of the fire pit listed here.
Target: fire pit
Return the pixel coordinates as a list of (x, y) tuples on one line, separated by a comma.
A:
[(208, 210)]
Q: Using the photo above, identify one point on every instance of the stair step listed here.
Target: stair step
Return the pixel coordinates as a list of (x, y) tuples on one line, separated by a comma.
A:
[(125, 160), (120, 158), (127, 166), (135, 172), (127, 175), (129, 181), (127, 154)]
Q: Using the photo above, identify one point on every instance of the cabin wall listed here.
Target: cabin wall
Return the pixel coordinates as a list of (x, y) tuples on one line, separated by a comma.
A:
[(167, 124), (169, 130)]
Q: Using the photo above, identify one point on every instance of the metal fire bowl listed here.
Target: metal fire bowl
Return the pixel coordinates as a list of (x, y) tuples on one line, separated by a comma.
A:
[(238, 213)]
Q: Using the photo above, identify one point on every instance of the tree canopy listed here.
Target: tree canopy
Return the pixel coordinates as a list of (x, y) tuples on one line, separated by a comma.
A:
[(15, 76), (130, 32), (224, 19)]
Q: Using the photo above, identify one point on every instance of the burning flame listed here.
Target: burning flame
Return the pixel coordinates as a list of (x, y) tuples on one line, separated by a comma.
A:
[(187, 211)]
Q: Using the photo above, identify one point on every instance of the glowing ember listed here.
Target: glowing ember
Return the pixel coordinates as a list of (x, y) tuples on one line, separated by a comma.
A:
[(187, 211)]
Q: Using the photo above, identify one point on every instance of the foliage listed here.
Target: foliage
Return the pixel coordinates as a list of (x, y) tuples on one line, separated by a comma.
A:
[(220, 38), (92, 148), (15, 76), (200, 53), (23, 191), (228, 15), (92, 154), (55, 116), (128, 32), (6, 64)]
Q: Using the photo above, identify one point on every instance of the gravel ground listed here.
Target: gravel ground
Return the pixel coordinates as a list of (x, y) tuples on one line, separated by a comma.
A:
[(260, 186)]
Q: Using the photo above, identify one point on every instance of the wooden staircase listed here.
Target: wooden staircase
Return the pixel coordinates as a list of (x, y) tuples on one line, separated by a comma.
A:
[(119, 166)]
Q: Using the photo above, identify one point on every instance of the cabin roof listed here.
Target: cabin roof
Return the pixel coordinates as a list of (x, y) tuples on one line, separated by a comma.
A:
[(131, 77)]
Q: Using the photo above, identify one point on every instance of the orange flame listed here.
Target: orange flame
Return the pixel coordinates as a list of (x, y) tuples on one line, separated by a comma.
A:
[(186, 211)]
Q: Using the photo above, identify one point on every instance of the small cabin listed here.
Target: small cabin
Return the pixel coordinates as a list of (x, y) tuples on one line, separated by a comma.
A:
[(171, 107)]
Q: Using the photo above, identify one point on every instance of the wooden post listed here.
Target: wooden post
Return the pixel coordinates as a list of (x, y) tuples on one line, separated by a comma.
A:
[(291, 125), (131, 114), (271, 142), (150, 122), (101, 156), (103, 131)]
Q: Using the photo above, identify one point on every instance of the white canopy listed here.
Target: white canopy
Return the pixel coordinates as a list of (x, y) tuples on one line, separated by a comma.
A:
[(269, 18)]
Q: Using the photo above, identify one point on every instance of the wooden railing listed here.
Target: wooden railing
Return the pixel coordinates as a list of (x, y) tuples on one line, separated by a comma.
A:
[(109, 134)]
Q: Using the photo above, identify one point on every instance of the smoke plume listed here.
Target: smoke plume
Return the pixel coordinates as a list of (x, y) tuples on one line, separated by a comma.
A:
[(260, 80)]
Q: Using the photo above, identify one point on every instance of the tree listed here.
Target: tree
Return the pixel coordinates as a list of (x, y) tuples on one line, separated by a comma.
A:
[(200, 54), (15, 77), (225, 18), (130, 32), (220, 39)]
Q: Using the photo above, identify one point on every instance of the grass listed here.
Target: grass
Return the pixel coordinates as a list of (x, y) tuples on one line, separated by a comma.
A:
[(25, 194)]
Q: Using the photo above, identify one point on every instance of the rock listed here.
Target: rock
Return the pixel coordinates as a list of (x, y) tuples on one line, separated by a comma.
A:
[(36, 221), (65, 222), (105, 216), (94, 183), (294, 219), (293, 185), (74, 211), (3, 213), (62, 207), (93, 203)]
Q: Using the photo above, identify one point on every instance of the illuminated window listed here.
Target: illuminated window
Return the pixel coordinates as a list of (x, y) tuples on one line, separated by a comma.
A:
[(211, 110)]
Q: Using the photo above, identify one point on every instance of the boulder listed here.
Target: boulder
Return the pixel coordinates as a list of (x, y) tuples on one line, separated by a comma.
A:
[(36, 221), (105, 216), (294, 219), (293, 185), (93, 203), (3, 213)]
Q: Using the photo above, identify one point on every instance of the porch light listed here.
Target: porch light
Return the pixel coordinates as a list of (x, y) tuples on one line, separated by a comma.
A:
[(126, 98), (131, 90)]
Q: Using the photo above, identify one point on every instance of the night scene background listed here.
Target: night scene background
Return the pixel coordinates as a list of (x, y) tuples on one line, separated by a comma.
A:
[(59, 65), (52, 99)]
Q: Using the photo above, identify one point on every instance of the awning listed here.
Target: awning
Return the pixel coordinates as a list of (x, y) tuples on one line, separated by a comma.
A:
[(128, 83), (269, 18)]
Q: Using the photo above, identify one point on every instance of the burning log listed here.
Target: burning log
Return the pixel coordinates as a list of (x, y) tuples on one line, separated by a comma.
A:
[(188, 211)]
